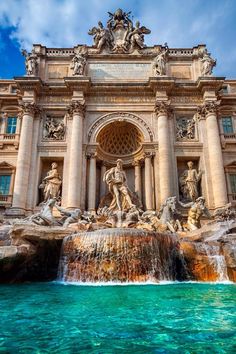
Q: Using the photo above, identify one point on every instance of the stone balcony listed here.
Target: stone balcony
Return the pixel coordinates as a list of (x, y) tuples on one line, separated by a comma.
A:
[(5, 200), (9, 139)]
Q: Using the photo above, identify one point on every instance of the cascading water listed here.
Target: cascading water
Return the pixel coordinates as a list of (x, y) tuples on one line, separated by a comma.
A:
[(217, 261), (120, 255)]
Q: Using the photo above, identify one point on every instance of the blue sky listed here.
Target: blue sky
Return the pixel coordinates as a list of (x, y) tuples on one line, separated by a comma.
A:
[(64, 23)]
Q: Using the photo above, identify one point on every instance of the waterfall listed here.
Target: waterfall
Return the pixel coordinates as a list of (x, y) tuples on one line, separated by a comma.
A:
[(120, 255), (216, 260)]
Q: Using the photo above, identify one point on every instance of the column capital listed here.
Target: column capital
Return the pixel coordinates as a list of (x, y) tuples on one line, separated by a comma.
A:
[(77, 107), (210, 107), (137, 162), (29, 108), (91, 155), (149, 154), (162, 107)]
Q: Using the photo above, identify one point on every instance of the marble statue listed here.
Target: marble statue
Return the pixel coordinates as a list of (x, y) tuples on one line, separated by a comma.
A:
[(69, 216), (136, 36), (31, 62), (207, 64), (54, 130), (197, 209), (78, 64), (117, 183), (101, 36), (159, 64), (51, 183), (45, 216), (167, 215), (120, 36), (189, 181)]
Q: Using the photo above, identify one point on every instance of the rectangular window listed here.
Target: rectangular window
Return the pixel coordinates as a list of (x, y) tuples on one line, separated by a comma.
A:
[(232, 179), (227, 124), (5, 184), (11, 125)]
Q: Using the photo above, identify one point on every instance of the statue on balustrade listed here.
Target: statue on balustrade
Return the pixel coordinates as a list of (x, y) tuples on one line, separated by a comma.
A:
[(159, 63), (197, 209), (208, 64), (136, 36), (101, 36), (117, 183), (79, 62), (31, 62), (189, 182), (51, 184)]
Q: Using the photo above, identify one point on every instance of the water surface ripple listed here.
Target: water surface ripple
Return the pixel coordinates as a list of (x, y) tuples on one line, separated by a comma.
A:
[(173, 318)]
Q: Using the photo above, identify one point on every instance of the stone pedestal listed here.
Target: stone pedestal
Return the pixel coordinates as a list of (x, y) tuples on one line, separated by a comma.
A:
[(75, 166)]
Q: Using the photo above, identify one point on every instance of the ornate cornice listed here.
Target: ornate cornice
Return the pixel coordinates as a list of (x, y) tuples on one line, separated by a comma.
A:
[(76, 107), (162, 108)]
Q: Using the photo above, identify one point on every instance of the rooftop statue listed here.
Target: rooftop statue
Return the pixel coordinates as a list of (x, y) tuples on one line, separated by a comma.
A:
[(31, 62), (159, 64), (120, 35), (208, 64)]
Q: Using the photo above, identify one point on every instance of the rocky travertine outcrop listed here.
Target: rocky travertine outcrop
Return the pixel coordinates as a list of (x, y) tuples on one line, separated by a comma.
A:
[(210, 252), (30, 252)]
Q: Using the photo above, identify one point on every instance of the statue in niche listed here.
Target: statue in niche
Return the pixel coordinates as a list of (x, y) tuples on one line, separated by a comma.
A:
[(159, 63), (208, 64), (31, 62), (101, 36), (185, 128), (54, 130), (79, 62), (136, 36), (197, 209), (117, 183), (189, 181), (51, 184)]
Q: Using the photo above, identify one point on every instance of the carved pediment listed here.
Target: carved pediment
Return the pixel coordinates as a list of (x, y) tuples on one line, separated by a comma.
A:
[(6, 166)]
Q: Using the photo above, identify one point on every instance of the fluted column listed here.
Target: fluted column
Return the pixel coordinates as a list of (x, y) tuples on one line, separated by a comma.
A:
[(137, 178), (215, 154), (102, 183), (164, 148), (148, 181), (92, 182), (28, 110), (76, 146)]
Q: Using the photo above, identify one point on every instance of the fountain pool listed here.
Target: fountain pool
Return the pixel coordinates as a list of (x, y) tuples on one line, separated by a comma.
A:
[(169, 318)]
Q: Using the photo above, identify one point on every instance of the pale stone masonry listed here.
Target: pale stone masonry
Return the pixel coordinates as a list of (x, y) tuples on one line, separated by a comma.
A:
[(117, 105)]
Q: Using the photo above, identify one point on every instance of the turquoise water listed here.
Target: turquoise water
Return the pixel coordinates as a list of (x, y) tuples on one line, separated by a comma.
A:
[(173, 318)]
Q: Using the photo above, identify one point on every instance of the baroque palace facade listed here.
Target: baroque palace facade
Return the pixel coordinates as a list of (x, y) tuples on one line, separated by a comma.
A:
[(80, 109)]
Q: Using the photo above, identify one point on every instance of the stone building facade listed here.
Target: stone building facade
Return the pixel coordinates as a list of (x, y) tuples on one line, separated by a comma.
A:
[(156, 108)]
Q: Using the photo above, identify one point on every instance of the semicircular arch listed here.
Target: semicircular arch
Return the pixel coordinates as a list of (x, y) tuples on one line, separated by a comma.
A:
[(106, 119)]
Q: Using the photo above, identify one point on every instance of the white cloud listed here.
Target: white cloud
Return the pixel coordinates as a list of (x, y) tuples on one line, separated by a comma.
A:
[(64, 23)]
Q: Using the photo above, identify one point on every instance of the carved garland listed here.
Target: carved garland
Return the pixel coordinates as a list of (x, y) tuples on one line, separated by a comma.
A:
[(120, 116)]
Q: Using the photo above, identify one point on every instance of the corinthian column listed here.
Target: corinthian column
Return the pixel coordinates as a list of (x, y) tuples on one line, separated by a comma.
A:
[(164, 149), (148, 181), (215, 154), (28, 110), (76, 109), (92, 182), (137, 178)]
